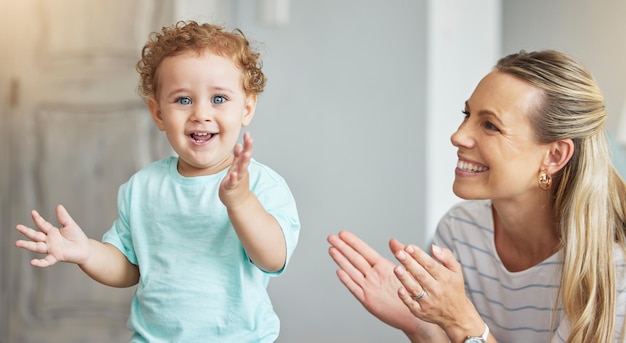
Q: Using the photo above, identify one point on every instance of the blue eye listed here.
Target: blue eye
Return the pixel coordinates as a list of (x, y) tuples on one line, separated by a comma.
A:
[(184, 100), (218, 99)]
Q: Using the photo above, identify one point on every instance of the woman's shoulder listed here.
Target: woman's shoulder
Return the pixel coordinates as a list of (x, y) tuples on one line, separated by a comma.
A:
[(471, 210), (467, 220)]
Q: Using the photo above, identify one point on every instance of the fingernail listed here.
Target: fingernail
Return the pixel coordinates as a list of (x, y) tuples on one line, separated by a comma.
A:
[(400, 270), (436, 249), (410, 249), (401, 255)]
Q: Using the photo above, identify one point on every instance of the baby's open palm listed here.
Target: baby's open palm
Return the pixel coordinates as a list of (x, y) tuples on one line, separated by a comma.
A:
[(67, 244), (235, 187)]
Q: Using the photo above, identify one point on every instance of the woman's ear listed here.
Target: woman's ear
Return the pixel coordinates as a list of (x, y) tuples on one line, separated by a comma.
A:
[(155, 111), (248, 110), (559, 154)]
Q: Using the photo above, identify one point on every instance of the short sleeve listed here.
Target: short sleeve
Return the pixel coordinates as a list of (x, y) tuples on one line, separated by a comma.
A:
[(277, 199), (119, 235)]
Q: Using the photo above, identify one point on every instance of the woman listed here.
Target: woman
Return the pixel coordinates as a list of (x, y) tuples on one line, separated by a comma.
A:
[(536, 253)]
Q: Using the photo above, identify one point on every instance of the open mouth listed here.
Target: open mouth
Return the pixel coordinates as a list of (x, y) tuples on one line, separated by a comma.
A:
[(201, 137), (470, 167)]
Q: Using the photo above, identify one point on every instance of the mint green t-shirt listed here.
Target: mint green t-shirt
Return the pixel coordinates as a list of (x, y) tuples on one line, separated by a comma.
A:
[(196, 282)]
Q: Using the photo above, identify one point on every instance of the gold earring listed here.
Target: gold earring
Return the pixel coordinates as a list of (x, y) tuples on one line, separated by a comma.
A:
[(545, 181)]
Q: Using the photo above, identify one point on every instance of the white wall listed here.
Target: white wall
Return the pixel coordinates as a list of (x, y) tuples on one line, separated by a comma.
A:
[(463, 45)]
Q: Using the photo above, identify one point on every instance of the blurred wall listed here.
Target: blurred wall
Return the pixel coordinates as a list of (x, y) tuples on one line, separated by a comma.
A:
[(342, 119)]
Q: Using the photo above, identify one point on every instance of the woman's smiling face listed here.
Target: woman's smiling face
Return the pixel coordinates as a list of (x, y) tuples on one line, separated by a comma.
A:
[(202, 106), (499, 156)]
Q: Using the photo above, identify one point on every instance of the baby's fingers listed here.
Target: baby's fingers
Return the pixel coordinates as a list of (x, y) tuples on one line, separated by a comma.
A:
[(41, 223), (43, 262), (243, 155), (30, 233), (64, 217), (247, 144), (38, 247)]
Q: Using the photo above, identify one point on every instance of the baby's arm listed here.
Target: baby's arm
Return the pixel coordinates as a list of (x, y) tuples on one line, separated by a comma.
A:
[(102, 262), (259, 232)]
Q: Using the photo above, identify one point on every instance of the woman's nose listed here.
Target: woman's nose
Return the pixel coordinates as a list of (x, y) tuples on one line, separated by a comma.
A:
[(461, 137)]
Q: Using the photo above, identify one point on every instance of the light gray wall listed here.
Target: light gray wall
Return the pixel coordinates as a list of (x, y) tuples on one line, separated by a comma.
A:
[(342, 120)]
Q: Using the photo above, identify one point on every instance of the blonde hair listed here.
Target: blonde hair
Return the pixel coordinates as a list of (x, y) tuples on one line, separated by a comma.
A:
[(189, 35), (590, 196)]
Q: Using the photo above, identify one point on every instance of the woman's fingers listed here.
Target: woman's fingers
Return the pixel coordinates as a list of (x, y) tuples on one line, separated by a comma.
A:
[(419, 274), (346, 265), (413, 290), (446, 258), (367, 253), (356, 252), (414, 277), (395, 245), (355, 288), (348, 259)]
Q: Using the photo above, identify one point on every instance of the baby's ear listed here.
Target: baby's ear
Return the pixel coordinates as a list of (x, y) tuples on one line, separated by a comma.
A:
[(248, 110), (155, 111)]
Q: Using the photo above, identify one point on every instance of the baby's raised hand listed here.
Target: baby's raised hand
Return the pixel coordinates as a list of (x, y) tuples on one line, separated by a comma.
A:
[(67, 244), (235, 187)]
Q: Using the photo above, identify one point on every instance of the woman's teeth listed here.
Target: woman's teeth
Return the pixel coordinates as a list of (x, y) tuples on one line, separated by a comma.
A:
[(470, 167)]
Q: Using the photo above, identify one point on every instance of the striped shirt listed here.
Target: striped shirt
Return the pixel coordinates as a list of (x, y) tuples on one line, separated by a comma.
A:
[(517, 306)]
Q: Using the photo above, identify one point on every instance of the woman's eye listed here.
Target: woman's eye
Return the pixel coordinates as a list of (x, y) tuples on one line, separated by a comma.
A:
[(466, 114), (490, 126), (218, 99), (184, 100)]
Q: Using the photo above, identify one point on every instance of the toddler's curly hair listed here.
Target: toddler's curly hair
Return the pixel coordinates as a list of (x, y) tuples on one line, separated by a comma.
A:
[(190, 35)]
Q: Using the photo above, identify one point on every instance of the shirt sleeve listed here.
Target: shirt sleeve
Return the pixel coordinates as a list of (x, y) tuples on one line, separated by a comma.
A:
[(119, 234), (562, 331), (277, 199), (443, 235)]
